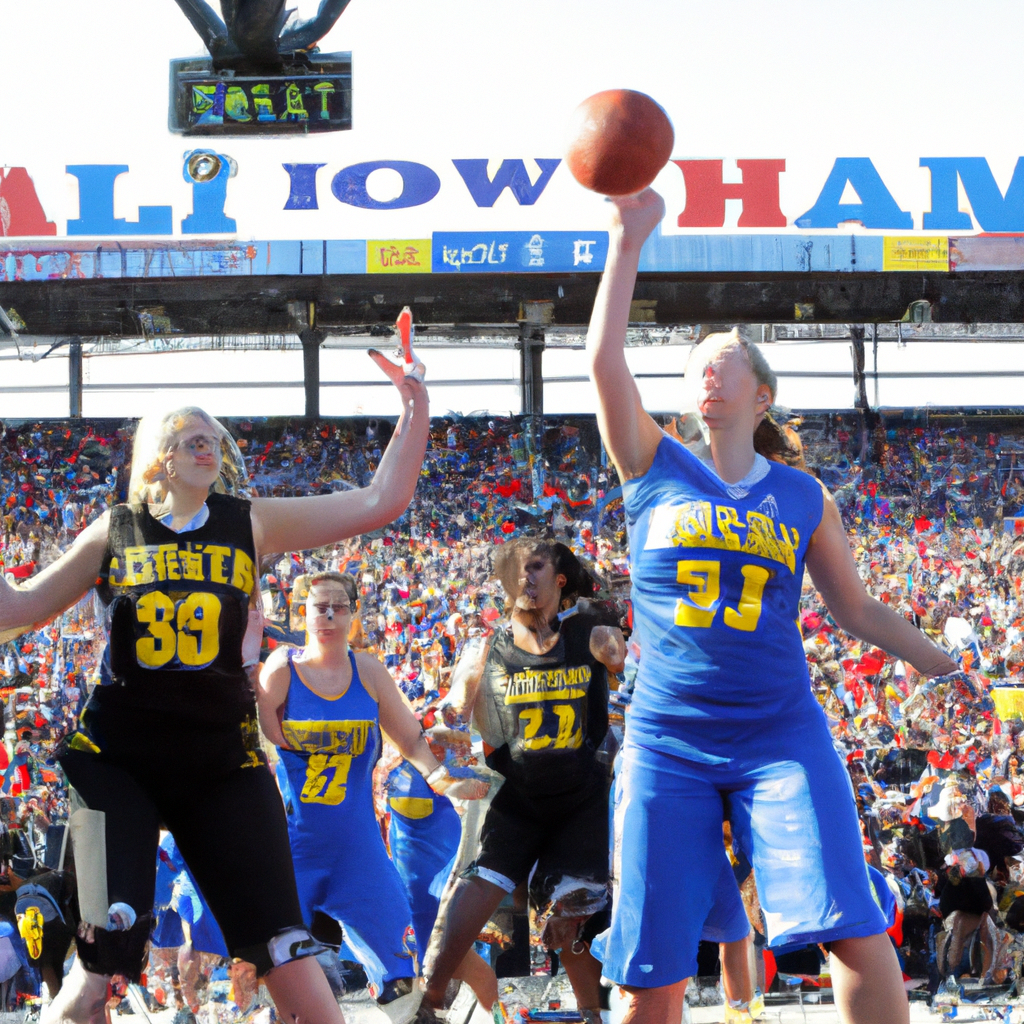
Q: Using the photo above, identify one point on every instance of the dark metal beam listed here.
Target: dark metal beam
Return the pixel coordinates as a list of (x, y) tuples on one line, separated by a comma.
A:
[(860, 400), (75, 378), (531, 372), (113, 307), (306, 34), (311, 339)]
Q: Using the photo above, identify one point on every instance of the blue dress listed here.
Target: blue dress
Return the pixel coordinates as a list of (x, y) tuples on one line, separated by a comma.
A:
[(341, 865)]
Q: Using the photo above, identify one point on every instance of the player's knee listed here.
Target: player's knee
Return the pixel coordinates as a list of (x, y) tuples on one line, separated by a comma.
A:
[(115, 952), (290, 945)]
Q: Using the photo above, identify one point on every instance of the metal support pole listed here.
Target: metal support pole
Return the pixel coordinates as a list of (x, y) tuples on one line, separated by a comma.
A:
[(531, 373), (311, 340), (75, 378), (860, 399)]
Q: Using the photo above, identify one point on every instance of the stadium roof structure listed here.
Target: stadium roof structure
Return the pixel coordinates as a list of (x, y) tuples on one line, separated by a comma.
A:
[(529, 366)]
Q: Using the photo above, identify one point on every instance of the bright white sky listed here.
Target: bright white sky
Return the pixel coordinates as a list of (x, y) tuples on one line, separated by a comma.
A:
[(803, 80)]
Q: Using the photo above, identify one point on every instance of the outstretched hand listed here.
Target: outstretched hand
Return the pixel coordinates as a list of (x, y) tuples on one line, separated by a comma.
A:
[(408, 378), (462, 788), (635, 217), (412, 368)]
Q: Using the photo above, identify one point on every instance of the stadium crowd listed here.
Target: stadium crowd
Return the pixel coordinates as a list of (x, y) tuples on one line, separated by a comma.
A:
[(931, 512)]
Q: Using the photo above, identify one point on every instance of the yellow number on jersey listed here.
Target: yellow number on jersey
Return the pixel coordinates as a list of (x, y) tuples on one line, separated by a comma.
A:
[(533, 717), (190, 629), (704, 577), (317, 789), (198, 629), (566, 738), (745, 616), (699, 608), (156, 612)]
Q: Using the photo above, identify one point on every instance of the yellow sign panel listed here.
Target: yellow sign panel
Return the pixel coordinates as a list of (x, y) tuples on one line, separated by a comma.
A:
[(913, 252), (398, 256)]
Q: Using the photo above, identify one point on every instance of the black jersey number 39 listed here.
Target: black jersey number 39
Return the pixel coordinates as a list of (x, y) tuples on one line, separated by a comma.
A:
[(187, 630)]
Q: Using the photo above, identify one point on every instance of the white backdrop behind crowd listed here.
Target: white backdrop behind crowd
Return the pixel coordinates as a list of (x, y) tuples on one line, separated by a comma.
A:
[(907, 366)]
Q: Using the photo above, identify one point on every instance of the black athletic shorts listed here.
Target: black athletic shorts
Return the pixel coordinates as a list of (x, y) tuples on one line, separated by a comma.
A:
[(565, 835), (212, 789)]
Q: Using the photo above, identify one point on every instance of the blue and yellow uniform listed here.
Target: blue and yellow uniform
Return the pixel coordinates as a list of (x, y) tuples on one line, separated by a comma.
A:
[(424, 833), (341, 866), (723, 711)]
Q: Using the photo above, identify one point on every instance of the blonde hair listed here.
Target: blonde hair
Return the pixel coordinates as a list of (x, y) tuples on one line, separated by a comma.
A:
[(156, 436), (759, 367)]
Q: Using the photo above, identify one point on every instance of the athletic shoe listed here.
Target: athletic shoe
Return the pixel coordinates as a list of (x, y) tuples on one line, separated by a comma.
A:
[(745, 1013)]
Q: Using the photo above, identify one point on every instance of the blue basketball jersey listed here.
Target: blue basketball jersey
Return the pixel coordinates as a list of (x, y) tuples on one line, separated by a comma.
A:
[(341, 864), (716, 578), (333, 745)]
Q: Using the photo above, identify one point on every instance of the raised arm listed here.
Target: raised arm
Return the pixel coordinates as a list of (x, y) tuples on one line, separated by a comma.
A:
[(271, 692), (402, 727), (300, 524), (629, 434), (59, 585), (834, 572), (608, 646), (466, 676)]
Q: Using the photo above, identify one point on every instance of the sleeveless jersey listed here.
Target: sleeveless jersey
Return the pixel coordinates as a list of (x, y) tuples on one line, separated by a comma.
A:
[(545, 714), (716, 583), (176, 612), (333, 745)]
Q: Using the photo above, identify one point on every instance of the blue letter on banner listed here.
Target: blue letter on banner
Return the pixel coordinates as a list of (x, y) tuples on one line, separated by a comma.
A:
[(419, 185), (510, 175), (96, 205), (993, 210), (208, 199), (303, 191), (876, 209)]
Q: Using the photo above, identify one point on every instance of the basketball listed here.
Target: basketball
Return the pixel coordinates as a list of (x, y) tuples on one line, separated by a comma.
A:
[(618, 141)]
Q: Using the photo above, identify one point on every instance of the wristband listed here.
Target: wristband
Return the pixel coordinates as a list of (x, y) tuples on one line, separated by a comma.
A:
[(440, 772)]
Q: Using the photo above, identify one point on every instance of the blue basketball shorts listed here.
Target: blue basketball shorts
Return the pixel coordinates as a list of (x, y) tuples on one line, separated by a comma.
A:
[(793, 817)]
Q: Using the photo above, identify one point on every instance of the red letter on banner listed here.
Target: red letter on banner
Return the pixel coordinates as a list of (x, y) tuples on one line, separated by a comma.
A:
[(21, 213), (706, 193)]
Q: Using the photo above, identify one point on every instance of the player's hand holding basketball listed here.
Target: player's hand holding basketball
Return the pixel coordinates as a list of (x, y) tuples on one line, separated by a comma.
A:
[(635, 217)]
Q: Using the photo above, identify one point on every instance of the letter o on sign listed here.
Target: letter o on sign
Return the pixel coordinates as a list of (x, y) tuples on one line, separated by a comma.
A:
[(419, 185)]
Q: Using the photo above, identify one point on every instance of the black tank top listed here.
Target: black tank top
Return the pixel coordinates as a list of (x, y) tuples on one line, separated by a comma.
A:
[(551, 710), (177, 610)]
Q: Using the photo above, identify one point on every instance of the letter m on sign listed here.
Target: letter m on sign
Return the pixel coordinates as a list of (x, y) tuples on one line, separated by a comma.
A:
[(510, 175)]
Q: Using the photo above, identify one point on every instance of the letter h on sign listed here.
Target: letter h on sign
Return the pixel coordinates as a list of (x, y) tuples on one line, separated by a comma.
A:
[(706, 193)]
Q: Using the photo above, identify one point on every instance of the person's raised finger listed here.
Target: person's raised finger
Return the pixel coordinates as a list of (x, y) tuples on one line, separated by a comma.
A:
[(394, 373)]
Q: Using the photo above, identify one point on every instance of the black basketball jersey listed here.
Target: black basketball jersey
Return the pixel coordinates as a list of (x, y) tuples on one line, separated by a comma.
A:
[(176, 611), (550, 711)]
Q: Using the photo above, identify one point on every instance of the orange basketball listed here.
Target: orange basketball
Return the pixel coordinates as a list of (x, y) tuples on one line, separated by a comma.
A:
[(618, 142)]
